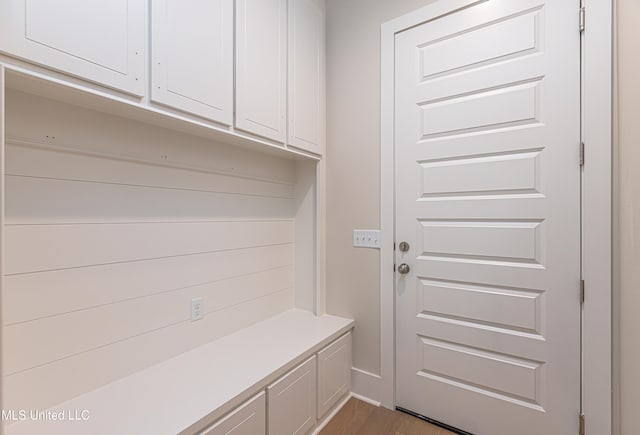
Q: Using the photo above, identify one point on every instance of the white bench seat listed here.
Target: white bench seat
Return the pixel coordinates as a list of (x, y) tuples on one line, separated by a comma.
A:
[(186, 393)]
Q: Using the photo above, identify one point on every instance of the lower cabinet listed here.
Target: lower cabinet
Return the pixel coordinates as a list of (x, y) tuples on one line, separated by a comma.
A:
[(334, 373), (298, 401), (248, 419), (292, 401)]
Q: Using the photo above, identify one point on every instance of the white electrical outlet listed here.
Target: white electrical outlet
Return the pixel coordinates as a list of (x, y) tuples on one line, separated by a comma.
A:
[(197, 309), (366, 239)]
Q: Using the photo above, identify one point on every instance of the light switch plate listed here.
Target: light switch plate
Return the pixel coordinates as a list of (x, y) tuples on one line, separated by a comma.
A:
[(366, 239)]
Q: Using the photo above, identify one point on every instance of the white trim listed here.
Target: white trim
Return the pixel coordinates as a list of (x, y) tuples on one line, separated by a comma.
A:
[(365, 384), (320, 237), (2, 199), (615, 311), (387, 228), (57, 86), (597, 208), (366, 400), (325, 421), (327, 418)]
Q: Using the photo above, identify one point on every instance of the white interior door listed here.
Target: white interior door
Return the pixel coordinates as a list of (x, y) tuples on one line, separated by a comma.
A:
[(487, 131)]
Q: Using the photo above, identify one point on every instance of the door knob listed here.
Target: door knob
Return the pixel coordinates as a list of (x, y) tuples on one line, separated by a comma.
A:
[(404, 268)]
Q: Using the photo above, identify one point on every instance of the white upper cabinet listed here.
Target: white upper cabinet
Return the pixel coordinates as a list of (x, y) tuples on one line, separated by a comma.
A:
[(261, 48), (192, 57), (101, 41), (307, 75), (251, 66)]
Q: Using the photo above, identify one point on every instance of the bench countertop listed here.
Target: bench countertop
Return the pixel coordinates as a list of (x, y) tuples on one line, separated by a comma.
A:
[(188, 392)]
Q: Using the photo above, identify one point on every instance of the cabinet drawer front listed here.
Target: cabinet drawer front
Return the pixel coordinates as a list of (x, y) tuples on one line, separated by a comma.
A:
[(248, 419), (192, 57), (261, 48), (102, 41), (292, 401), (334, 373)]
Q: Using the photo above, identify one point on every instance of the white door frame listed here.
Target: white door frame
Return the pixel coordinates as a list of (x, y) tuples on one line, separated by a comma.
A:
[(597, 111)]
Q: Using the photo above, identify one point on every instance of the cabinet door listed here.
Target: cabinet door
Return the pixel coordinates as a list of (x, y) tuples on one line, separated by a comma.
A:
[(192, 56), (334, 373), (102, 41), (292, 401), (248, 419), (307, 75), (261, 46)]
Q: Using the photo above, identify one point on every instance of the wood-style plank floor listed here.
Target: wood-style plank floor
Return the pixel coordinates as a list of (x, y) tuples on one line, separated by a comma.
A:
[(360, 418)]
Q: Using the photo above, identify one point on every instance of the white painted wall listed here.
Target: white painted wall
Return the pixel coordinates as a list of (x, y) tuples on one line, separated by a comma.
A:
[(627, 216), (353, 164)]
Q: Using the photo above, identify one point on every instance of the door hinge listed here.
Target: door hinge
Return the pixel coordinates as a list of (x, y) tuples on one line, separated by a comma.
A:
[(581, 154), (582, 291), (582, 19), (581, 422)]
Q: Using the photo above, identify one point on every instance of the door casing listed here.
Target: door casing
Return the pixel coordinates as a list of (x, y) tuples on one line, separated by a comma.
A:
[(597, 183)]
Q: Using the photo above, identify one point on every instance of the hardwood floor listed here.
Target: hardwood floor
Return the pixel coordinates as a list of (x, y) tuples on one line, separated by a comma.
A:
[(360, 418)]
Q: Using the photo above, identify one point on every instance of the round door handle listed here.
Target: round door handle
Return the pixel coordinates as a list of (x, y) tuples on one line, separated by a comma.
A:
[(404, 268)]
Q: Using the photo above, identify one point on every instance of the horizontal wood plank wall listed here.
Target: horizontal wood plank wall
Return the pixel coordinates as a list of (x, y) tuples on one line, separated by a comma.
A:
[(109, 235)]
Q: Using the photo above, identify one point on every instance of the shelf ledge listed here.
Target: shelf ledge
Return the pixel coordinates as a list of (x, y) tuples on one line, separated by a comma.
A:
[(43, 85)]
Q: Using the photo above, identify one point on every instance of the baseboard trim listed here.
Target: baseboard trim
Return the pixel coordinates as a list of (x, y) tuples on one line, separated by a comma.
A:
[(366, 385), (366, 400), (327, 418)]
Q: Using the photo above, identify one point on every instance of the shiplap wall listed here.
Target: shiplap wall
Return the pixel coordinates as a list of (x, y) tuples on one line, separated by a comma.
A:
[(112, 227)]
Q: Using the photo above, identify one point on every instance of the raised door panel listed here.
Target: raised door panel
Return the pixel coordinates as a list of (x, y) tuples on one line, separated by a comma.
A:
[(192, 64), (334, 373), (248, 419), (102, 41), (306, 75), (261, 47), (292, 401)]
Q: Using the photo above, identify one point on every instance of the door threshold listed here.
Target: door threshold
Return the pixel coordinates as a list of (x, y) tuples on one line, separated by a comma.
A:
[(434, 422)]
